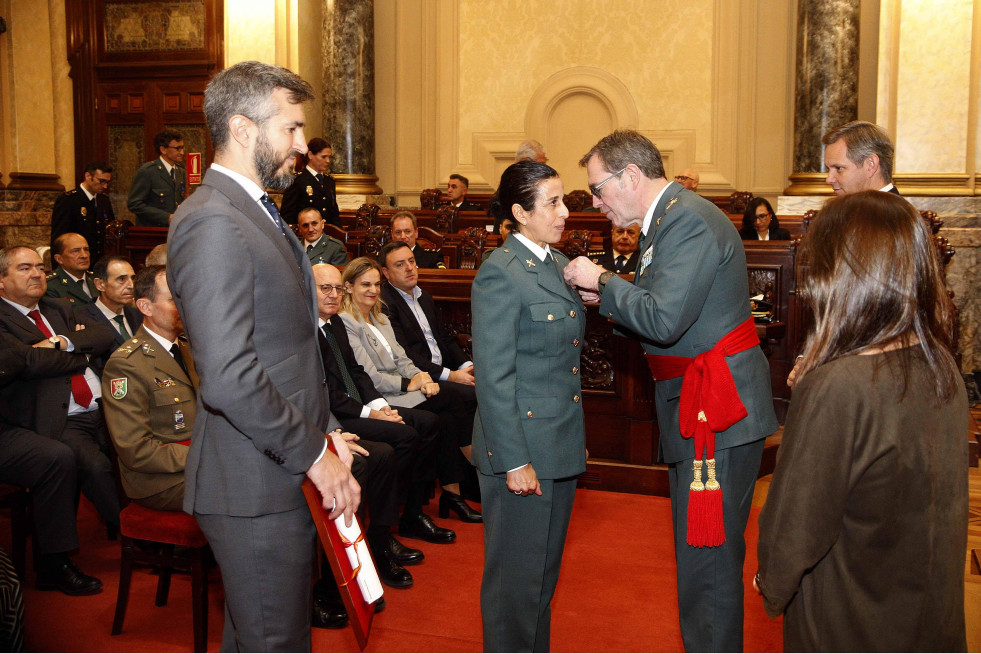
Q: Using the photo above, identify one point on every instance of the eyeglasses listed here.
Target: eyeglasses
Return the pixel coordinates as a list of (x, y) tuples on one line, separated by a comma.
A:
[(764, 216), (179, 148), (330, 289), (595, 189), (682, 178)]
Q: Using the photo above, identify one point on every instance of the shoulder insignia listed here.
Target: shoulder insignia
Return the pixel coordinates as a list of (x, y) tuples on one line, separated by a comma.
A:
[(531, 264), (671, 203), (51, 275), (118, 388)]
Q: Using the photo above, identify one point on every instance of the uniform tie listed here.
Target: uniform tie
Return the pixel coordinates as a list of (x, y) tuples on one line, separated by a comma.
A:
[(80, 387), (179, 358), (121, 321), (349, 386), (619, 263)]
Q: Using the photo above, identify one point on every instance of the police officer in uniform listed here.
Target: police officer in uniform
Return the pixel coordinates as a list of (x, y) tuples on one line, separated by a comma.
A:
[(314, 187), (86, 209), (149, 399)]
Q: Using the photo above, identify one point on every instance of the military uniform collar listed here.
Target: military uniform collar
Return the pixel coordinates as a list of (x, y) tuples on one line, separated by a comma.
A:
[(537, 250)]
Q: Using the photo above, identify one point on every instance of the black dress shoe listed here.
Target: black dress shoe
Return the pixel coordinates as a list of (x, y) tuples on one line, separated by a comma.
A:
[(328, 613), (67, 578), (380, 605), (389, 570), (404, 555), (452, 502), (422, 526)]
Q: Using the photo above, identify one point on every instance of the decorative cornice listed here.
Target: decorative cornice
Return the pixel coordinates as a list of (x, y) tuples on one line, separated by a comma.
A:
[(34, 182)]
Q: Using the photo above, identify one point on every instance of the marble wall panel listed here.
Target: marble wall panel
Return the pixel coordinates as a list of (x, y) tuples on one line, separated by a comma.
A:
[(933, 82), (150, 26), (127, 155), (508, 47), (25, 217)]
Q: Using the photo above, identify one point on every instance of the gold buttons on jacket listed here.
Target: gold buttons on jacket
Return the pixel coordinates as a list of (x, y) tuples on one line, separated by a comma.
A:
[(572, 313), (575, 398), (530, 414), (575, 370), (550, 317)]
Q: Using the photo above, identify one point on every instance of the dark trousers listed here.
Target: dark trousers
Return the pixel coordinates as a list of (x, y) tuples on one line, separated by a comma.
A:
[(377, 474), (414, 443), (455, 404), (47, 467), (84, 435), (267, 565), (710, 579), (523, 542)]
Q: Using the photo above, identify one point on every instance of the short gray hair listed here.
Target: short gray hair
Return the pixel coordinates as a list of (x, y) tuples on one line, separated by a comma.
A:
[(246, 88), (625, 146), (529, 150), (862, 140)]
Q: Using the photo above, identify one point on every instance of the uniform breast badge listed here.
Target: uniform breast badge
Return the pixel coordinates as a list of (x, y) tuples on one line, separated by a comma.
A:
[(179, 420), (84, 211), (309, 190), (165, 383)]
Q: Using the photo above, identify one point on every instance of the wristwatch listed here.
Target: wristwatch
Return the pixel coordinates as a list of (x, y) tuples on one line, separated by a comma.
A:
[(56, 342), (604, 277)]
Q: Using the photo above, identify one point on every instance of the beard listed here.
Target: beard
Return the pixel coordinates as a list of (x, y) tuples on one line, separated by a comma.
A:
[(269, 164)]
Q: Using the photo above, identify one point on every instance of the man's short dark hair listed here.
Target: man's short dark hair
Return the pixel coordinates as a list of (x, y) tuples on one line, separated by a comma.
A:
[(101, 268), (862, 140), (404, 214), (308, 210), (145, 282), (246, 88), (388, 248), (625, 146), (161, 140), (93, 166), (317, 145), (463, 180), (58, 247)]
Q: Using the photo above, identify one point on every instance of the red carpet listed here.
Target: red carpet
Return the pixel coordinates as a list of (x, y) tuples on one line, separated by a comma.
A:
[(595, 609)]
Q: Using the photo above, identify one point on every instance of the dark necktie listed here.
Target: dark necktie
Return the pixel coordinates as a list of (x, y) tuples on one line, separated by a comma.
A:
[(121, 321), (179, 358), (273, 211), (173, 174), (321, 180), (80, 387), (310, 246), (349, 386), (619, 263)]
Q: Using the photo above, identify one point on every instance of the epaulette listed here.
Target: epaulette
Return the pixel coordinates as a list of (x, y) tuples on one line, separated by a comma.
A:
[(51, 275), (130, 346), (72, 192), (335, 239)]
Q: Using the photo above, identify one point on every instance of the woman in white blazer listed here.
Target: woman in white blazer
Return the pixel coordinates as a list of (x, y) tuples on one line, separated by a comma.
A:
[(401, 382)]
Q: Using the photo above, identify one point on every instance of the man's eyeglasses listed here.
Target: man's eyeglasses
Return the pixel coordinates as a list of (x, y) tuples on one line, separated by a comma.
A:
[(595, 189), (179, 148), (329, 289), (682, 178)]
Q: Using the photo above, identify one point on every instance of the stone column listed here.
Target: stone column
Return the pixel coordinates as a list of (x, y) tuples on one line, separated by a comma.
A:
[(349, 93), (827, 85)]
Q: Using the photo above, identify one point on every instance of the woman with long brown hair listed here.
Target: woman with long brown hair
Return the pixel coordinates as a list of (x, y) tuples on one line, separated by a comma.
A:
[(863, 535)]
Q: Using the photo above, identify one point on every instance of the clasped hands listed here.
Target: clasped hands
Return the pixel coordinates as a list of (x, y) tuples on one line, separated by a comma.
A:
[(421, 381)]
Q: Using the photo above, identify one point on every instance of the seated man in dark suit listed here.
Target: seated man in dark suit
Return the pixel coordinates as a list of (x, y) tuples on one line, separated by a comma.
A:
[(45, 466), (114, 307), (72, 279), (406, 229), (456, 194), (61, 406), (361, 408), (320, 247), (86, 209), (622, 257), (415, 322)]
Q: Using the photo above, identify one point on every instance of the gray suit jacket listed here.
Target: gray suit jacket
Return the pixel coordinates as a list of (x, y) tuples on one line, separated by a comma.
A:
[(262, 404), (690, 290), (386, 370), (528, 326)]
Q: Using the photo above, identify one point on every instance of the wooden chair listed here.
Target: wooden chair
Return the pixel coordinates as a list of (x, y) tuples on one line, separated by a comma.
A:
[(161, 534), (578, 200), (738, 202), (446, 218), (16, 499), (366, 215), (430, 198), (472, 248)]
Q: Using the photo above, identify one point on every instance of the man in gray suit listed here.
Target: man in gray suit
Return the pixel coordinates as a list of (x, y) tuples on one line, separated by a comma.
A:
[(688, 301), (263, 414), (160, 185)]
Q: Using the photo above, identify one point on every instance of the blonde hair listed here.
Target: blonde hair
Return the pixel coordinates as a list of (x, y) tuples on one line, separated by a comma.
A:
[(352, 272)]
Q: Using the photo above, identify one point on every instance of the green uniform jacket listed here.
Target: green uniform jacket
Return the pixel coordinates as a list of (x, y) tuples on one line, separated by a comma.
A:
[(327, 249), (528, 328), (154, 196), (63, 286), (149, 405)]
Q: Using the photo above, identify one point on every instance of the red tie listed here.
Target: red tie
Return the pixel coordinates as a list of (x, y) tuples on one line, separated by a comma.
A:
[(80, 387)]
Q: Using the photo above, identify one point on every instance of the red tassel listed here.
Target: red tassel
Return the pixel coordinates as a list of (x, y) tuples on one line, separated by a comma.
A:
[(705, 525), (696, 514)]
